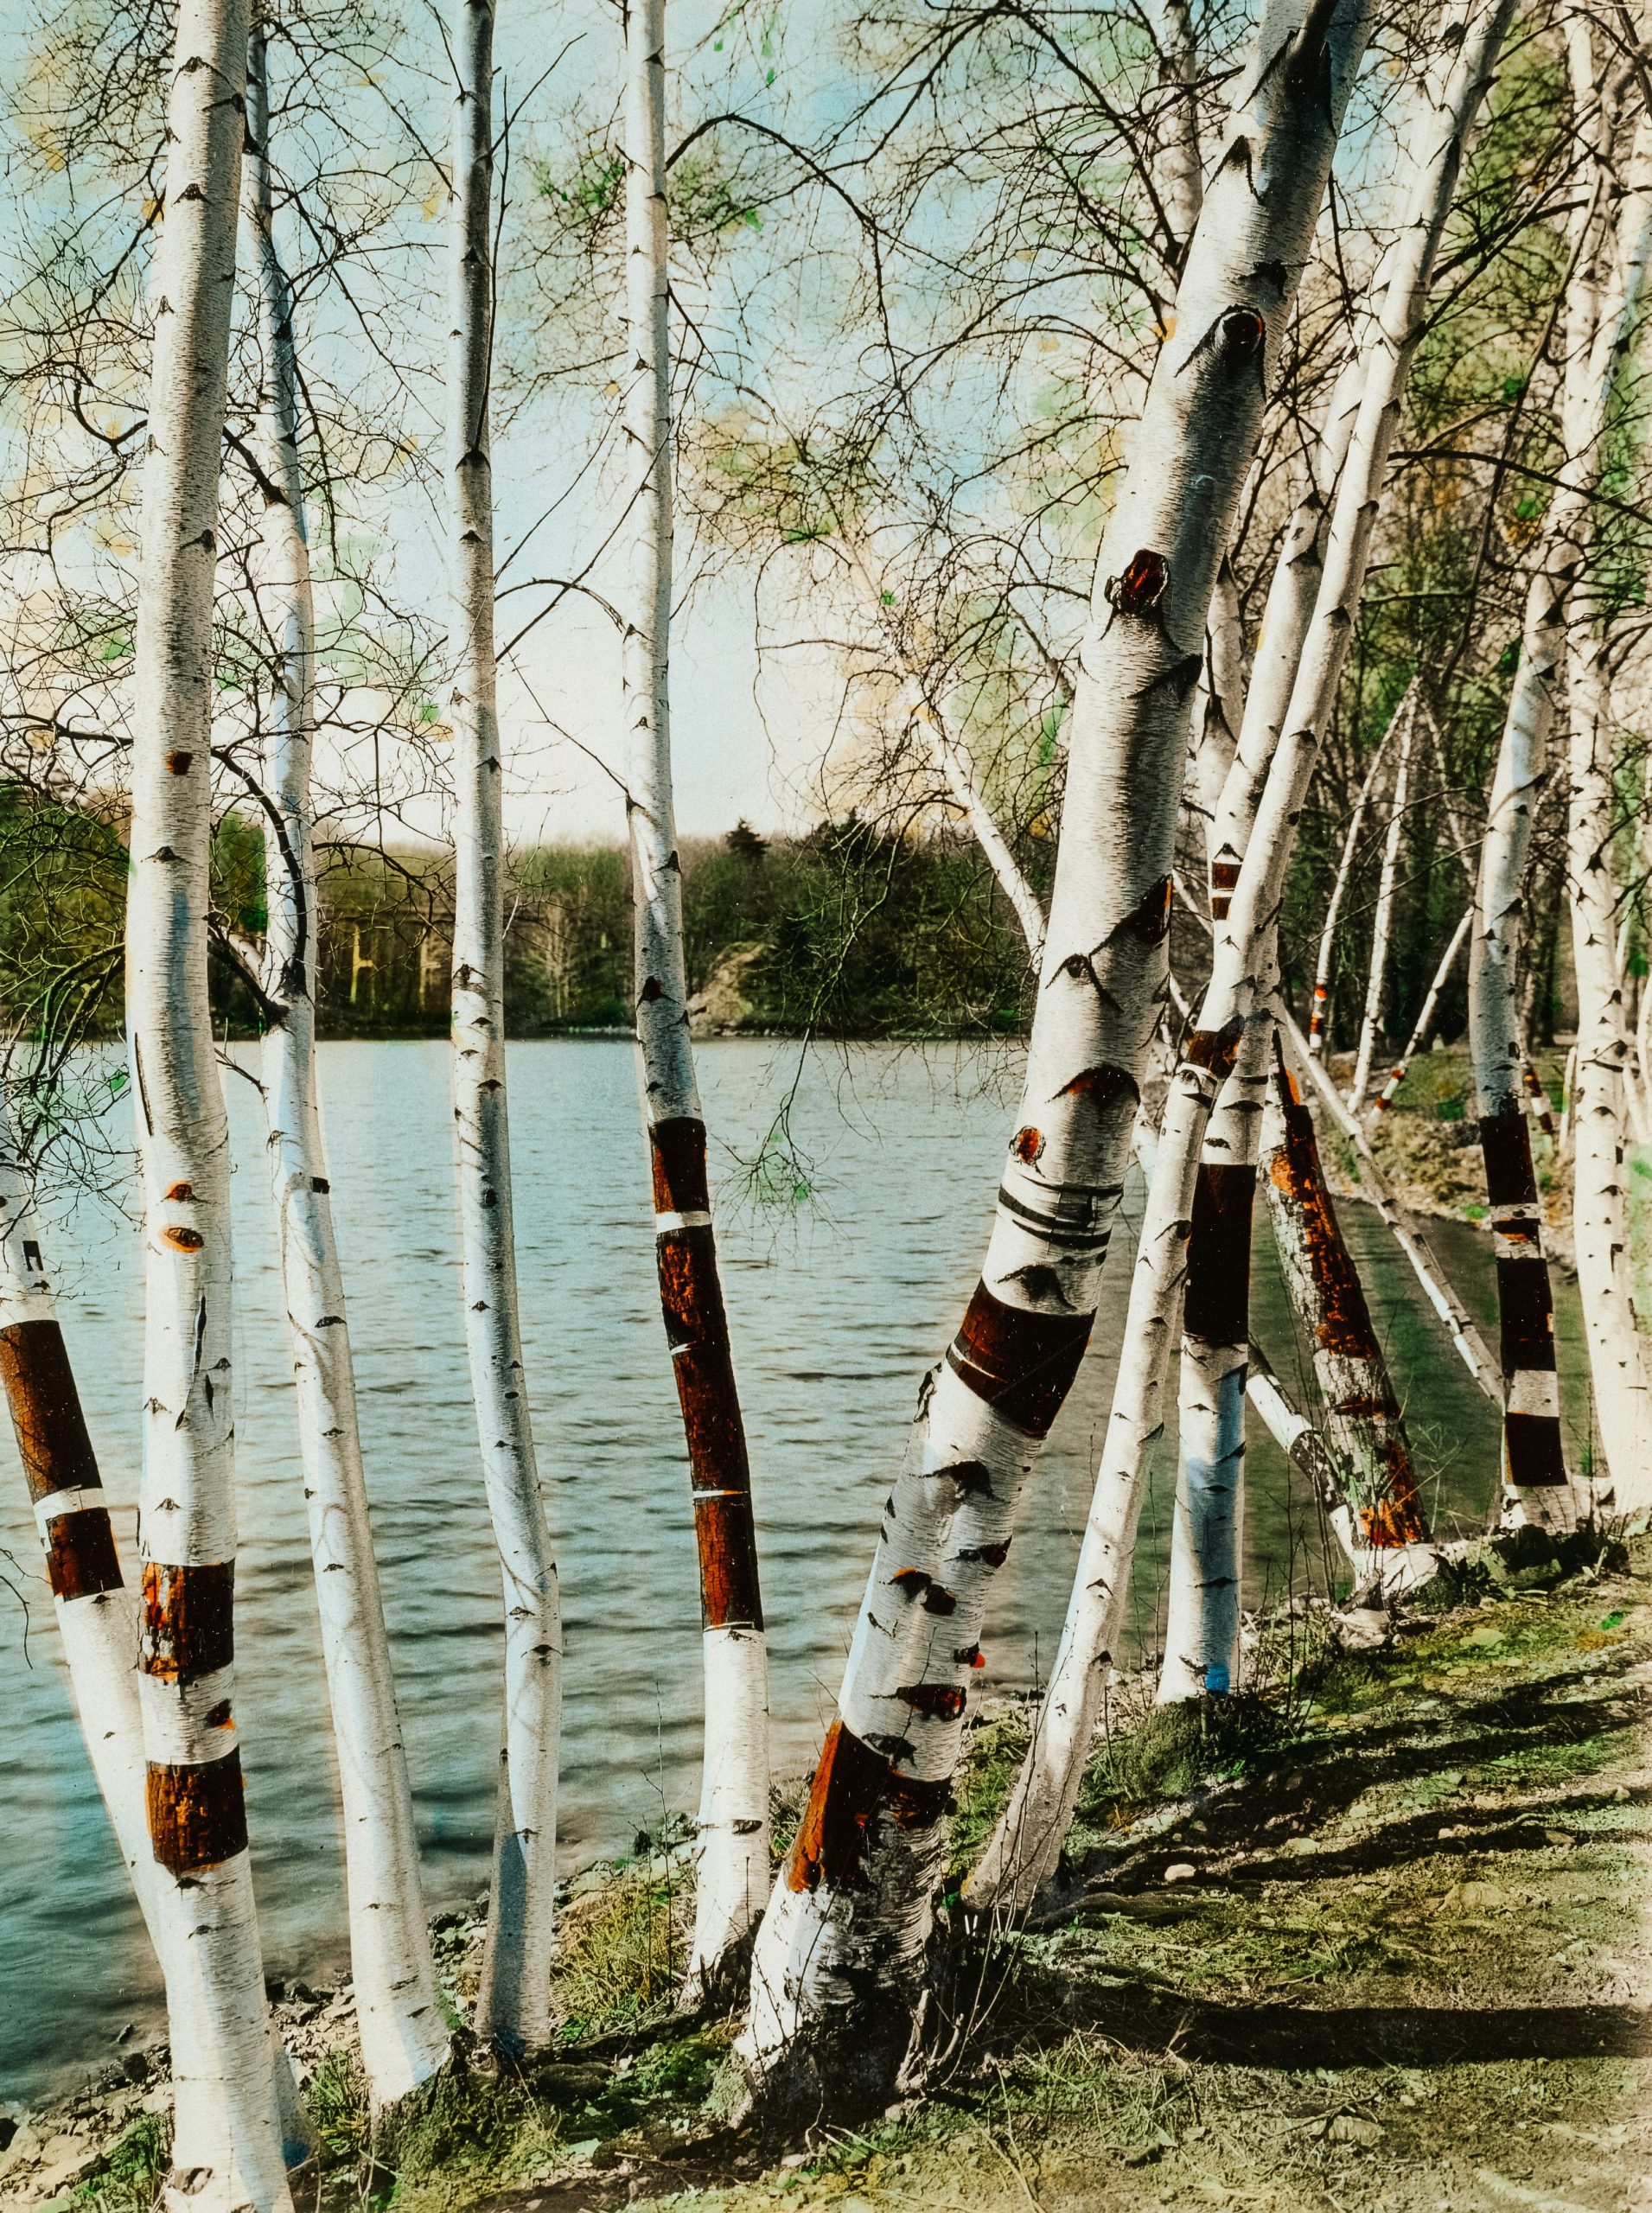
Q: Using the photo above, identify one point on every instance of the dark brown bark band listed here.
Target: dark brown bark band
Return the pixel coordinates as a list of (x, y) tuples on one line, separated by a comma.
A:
[(1505, 1143), (696, 1330), (677, 1147), (1218, 1299), (80, 1555), (1526, 1304), (1021, 1363), (187, 1622), (52, 1438), (197, 1813), (1536, 1455), (853, 1786), (730, 1597)]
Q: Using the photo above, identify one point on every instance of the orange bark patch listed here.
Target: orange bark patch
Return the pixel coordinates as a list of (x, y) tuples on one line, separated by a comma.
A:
[(853, 1787), (197, 1815), (1021, 1363), (186, 1626), (182, 1240)]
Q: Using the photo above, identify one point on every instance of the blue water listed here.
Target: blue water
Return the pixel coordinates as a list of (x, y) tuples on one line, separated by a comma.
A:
[(840, 1295)]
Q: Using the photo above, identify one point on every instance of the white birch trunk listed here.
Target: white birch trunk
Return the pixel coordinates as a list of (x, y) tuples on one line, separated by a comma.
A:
[(1292, 593), (1217, 707), (838, 1958), (97, 1616), (733, 1863), (1604, 303), (404, 2038), (1320, 1011), (1207, 1530), (1424, 1025), (1382, 922), (227, 2151), (1536, 1486), (513, 2002)]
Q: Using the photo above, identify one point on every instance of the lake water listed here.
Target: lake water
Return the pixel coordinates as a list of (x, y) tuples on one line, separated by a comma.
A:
[(840, 1299)]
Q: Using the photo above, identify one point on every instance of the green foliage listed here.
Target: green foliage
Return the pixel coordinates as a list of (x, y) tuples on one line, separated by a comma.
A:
[(335, 2098), (129, 2180), (622, 1949)]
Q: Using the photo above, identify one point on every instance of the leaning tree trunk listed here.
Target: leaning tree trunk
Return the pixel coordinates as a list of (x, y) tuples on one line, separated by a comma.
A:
[(404, 2036), (1365, 1427), (1320, 1008), (839, 1960), (1533, 1458), (733, 1829), (1382, 922), (226, 2148), (513, 2003), (97, 1616)]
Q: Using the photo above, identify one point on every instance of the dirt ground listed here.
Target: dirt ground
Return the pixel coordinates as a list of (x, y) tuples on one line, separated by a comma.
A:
[(1386, 1946)]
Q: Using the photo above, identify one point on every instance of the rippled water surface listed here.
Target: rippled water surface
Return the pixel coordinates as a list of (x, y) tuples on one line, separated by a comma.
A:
[(840, 1296)]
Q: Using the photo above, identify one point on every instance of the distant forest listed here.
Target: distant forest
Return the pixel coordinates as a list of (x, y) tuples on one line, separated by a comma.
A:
[(856, 930)]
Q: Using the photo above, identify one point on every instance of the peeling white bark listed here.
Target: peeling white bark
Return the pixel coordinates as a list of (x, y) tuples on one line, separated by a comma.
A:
[(226, 2147), (404, 2038), (733, 1859), (513, 2002), (838, 1957)]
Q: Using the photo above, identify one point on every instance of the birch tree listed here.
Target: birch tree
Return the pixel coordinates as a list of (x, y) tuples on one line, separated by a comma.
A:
[(733, 1866), (1604, 302), (404, 2038), (97, 1615), (513, 2002), (838, 1963), (227, 2151)]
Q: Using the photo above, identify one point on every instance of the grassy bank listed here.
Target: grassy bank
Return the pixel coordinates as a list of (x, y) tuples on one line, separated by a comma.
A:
[(1371, 1938)]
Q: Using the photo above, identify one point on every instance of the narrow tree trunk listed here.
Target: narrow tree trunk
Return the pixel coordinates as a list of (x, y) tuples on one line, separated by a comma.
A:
[(1217, 707), (839, 1957), (404, 2038), (1318, 1011), (1365, 1427), (1534, 1470), (1207, 1530), (1602, 306), (1382, 922), (226, 2147), (733, 1863), (1423, 1030), (513, 2002)]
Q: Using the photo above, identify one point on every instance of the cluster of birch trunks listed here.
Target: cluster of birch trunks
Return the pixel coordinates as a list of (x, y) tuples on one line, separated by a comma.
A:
[(1175, 719)]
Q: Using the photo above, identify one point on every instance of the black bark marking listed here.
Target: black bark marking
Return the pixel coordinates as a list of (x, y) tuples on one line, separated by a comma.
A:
[(1021, 1363)]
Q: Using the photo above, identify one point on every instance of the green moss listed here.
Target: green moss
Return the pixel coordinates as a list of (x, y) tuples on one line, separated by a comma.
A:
[(335, 2099), (993, 1751)]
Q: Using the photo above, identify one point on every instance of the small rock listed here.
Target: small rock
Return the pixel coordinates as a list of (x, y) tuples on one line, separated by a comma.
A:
[(1183, 1870), (1353, 2128), (1560, 1836), (121, 2035)]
